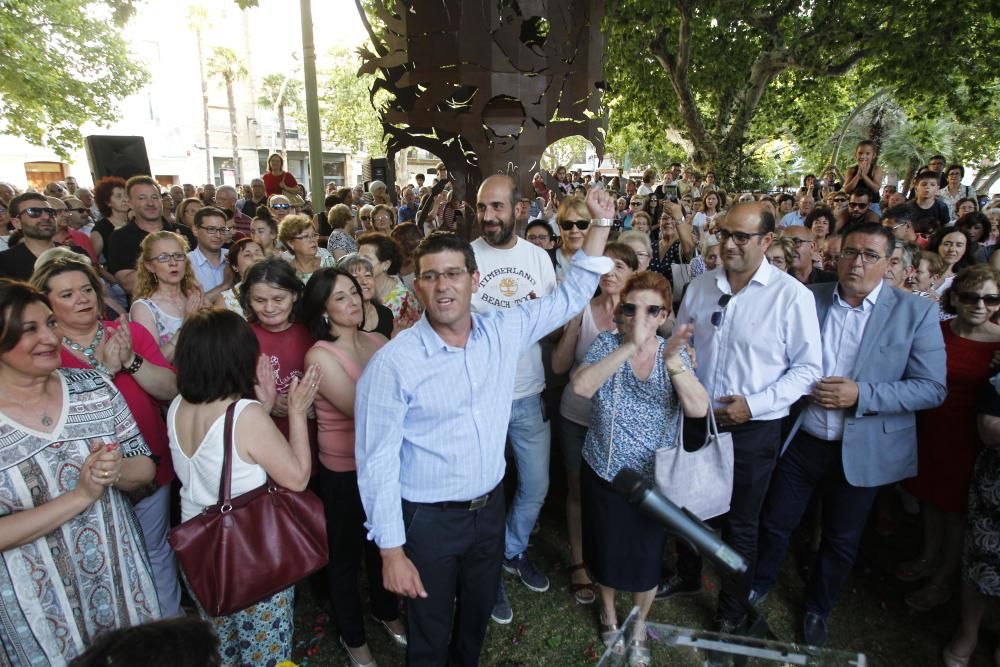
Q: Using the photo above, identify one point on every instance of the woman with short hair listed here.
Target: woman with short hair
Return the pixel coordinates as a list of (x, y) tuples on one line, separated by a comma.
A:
[(341, 240), (387, 259), (297, 234), (219, 364), (377, 317)]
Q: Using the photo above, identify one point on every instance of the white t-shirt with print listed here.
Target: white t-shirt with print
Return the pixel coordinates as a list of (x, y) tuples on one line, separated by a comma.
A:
[(507, 278)]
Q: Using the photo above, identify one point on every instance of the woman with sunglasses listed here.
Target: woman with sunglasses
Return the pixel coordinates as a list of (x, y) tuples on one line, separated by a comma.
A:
[(166, 290), (573, 220), (674, 244), (580, 332), (639, 384), (299, 236), (947, 442), (279, 206)]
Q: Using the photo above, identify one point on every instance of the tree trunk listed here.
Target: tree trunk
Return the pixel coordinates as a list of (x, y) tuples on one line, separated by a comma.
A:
[(231, 98), (209, 177), (281, 129), (986, 177)]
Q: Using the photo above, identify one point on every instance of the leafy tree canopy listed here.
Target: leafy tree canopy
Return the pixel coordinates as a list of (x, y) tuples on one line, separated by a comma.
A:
[(346, 106), (65, 63), (718, 76)]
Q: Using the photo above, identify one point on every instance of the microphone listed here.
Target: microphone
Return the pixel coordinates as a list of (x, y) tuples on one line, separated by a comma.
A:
[(677, 520)]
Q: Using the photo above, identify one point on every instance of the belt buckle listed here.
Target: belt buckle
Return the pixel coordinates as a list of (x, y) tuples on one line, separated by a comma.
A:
[(479, 503)]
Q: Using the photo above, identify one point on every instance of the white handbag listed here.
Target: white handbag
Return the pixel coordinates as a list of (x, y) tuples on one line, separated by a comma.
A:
[(700, 481)]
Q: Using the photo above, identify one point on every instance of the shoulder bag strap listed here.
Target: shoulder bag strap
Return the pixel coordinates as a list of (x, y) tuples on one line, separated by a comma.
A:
[(225, 484)]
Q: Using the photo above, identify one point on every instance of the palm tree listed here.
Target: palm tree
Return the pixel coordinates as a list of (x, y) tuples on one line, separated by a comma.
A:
[(280, 92), (910, 144), (197, 19), (226, 65)]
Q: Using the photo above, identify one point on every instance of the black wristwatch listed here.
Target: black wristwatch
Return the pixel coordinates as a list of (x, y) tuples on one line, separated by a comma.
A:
[(134, 367)]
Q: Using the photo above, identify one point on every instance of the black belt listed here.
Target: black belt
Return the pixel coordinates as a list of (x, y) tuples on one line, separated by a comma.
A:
[(467, 505)]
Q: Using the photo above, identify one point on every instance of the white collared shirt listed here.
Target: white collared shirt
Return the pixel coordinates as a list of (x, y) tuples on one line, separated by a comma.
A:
[(208, 276), (766, 347), (842, 332)]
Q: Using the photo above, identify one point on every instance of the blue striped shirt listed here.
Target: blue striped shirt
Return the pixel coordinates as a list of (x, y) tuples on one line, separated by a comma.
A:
[(431, 419)]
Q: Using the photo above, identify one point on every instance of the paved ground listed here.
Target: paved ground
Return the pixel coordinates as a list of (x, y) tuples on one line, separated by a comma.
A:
[(550, 629)]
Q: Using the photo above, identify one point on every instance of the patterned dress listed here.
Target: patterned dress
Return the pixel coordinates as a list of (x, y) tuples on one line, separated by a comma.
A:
[(981, 557), (338, 240), (405, 307), (166, 324), (90, 575)]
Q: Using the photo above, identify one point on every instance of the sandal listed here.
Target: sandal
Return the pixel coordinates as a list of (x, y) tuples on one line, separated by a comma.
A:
[(639, 654), (952, 659), (612, 636), (928, 597), (582, 593), (915, 570)]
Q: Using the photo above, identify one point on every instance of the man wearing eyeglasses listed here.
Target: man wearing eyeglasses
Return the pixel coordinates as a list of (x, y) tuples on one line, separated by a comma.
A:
[(30, 212), (883, 359), (209, 259), (757, 340), (802, 268), (431, 415), (899, 220), (513, 271), (123, 250)]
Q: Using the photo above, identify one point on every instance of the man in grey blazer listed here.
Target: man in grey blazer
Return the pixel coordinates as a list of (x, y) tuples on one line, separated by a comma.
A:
[(883, 359)]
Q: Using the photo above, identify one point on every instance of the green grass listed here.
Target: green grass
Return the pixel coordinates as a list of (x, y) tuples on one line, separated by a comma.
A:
[(550, 629)]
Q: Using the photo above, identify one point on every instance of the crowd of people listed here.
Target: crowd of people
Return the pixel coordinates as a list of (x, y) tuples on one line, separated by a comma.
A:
[(393, 349)]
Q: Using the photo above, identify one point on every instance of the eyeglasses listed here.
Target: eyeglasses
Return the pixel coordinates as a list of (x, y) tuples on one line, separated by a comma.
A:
[(798, 243), (165, 257), (281, 207), (537, 237), (971, 299), (38, 211), (308, 236), (630, 309), (867, 256), (451, 275), (719, 316), (635, 203), (855, 204), (366, 217), (579, 224), (739, 238), (216, 231), (77, 210)]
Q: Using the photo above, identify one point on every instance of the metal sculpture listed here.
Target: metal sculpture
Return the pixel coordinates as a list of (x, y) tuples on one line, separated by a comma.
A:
[(485, 84)]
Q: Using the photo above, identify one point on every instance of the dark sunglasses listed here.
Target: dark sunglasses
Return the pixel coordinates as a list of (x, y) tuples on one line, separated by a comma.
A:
[(719, 316), (971, 299), (580, 224), (630, 309), (77, 210), (38, 211), (281, 206)]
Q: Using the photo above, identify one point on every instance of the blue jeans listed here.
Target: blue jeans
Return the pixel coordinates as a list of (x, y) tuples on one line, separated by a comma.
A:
[(153, 513), (530, 439)]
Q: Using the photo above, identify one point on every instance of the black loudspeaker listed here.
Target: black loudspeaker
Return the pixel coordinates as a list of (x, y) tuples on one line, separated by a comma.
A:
[(380, 169), (117, 156)]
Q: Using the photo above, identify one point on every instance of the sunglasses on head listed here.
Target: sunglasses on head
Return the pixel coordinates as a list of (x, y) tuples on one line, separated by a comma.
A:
[(38, 211), (630, 309), (971, 299), (580, 224)]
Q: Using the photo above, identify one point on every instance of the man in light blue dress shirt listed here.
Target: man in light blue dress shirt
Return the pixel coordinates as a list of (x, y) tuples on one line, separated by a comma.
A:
[(208, 260), (431, 417)]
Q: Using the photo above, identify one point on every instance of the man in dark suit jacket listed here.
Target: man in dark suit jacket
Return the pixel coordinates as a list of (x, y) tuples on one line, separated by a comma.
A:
[(883, 359)]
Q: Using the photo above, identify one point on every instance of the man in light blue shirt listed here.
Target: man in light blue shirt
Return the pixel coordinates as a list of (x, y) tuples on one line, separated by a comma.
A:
[(798, 218), (431, 417), (208, 260)]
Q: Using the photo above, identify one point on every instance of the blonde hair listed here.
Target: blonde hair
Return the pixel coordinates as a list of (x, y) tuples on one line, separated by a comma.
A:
[(572, 205), (145, 280), (292, 226)]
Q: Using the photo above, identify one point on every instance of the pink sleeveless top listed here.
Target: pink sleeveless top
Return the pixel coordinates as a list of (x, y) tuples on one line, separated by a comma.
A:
[(335, 429)]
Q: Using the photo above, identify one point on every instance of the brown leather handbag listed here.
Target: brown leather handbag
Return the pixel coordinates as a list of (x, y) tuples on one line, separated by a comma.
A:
[(245, 549)]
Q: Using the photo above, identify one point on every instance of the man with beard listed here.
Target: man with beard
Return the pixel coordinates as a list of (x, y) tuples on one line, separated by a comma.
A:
[(122, 252), (512, 271), (208, 194), (30, 213)]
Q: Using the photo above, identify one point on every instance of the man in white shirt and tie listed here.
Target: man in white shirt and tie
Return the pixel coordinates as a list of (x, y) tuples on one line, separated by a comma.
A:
[(756, 335)]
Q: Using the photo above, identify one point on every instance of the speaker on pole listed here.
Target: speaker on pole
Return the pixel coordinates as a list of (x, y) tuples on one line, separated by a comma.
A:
[(117, 156)]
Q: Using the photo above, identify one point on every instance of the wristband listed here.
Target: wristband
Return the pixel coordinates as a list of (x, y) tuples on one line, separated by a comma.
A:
[(134, 367), (676, 371), (601, 222)]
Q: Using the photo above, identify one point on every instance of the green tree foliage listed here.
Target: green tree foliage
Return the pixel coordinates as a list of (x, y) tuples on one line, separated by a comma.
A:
[(720, 74), (565, 152), (281, 93), (347, 112), (64, 63)]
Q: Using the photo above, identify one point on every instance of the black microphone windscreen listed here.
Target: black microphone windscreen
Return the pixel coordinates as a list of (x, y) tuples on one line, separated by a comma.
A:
[(630, 484)]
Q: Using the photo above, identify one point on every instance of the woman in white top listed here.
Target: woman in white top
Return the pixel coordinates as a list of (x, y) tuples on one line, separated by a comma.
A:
[(217, 363), (711, 205), (581, 331), (166, 290)]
